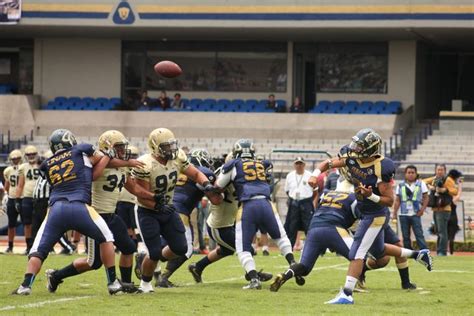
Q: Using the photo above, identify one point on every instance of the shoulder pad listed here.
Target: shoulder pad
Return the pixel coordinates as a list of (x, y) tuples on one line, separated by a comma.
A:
[(88, 149), (208, 173)]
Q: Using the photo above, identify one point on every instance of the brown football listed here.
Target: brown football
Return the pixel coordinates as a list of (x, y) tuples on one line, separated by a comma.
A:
[(168, 69)]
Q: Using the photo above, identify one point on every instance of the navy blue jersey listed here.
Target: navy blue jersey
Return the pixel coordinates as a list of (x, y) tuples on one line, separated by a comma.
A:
[(186, 194), (250, 178), (370, 174), (69, 173), (336, 209)]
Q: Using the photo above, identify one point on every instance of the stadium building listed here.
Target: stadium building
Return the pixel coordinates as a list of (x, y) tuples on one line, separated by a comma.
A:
[(381, 64)]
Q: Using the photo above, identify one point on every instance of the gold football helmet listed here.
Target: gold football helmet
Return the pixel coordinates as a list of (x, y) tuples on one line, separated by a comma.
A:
[(113, 140), (15, 156), (162, 143), (31, 153)]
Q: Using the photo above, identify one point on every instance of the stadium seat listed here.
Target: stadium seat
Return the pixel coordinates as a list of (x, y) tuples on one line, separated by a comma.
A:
[(60, 100), (335, 107), (88, 100), (281, 104), (238, 103), (394, 107), (251, 103), (194, 103), (102, 101), (115, 101)]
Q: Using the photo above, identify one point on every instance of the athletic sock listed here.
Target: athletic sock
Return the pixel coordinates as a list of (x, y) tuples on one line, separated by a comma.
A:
[(290, 258), (295, 270), (173, 265), (265, 248), (10, 244), (349, 285), (111, 276), (147, 278), (253, 274), (404, 273), (408, 253), (203, 263), (29, 243), (28, 280), (126, 274), (66, 272)]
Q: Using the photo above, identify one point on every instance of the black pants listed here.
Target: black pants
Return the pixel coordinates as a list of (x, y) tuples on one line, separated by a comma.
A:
[(298, 217), (40, 208)]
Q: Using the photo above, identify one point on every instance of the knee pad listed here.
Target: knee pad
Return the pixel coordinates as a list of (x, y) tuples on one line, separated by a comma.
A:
[(38, 255), (180, 249), (154, 252)]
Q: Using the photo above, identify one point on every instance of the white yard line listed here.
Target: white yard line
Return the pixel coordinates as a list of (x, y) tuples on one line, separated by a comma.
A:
[(39, 304)]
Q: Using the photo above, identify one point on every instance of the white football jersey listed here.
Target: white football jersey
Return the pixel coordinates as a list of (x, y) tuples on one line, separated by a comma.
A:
[(223, 215), (31, 173), (106, 190)]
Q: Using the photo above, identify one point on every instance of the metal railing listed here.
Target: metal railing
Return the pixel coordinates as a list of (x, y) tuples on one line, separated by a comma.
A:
[(398, 147)]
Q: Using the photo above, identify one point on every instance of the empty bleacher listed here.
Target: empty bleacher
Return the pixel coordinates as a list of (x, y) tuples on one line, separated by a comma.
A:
[(356, 107)]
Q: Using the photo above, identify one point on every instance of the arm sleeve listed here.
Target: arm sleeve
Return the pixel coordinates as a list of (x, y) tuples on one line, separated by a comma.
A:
[(451, 186), (388, 171), (182, 160), (87, 149), (397, 189), (225, 178), (142, 173), (5, 176), (287, 186)]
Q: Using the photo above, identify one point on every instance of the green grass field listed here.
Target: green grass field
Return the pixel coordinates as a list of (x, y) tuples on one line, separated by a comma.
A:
[(446, 291)]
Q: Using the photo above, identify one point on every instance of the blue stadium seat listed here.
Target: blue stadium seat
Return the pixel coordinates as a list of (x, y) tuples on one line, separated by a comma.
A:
[(88, 100), (60, 100), (194, 103), (281, 104), (394, 107), (185, 102), (74, 100), (208, 103), (380, 105), (238, 103), (102, 101), (251, 103), (115, 101), (350, 107)]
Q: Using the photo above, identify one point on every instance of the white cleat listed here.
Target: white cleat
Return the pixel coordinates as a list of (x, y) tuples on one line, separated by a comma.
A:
[(115, 287), (22, 290), (341, 299), (145, 287)]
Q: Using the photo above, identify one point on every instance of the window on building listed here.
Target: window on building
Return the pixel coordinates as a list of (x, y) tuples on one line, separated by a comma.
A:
[(352, 67)]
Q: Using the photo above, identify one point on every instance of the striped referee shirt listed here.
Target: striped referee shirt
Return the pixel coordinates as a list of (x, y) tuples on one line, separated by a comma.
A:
[(42, 189)]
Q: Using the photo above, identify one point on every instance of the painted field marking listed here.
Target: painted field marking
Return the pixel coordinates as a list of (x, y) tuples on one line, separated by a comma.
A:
[(39, 304)]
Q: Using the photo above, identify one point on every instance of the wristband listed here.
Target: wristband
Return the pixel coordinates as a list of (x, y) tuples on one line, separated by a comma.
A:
[(374, 198), (316, 173)]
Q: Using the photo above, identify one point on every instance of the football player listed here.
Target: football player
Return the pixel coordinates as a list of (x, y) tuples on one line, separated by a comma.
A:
[(186, 197), (163, 164), (329, 226), (106, 189), (372, 174), (28, 173), (10, 174), (70, 172), (221, 228), (250, 180), (127, 201)]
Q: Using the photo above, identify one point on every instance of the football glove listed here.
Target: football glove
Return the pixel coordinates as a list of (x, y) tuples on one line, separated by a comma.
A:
[(207, 187), (160, 201)]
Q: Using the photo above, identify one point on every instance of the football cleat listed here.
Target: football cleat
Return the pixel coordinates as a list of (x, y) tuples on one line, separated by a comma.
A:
[(264, 276), (253, 285), (66, 252), (361, 287), (409, 286), (145, 287), (22, 290), (341, 298), (195, 272), (265, 252), (424, 257), (53, 283), (300, 280), (139, 257), (164, 283), (277, 283), (115, 287), (8, 250), (129, 287)]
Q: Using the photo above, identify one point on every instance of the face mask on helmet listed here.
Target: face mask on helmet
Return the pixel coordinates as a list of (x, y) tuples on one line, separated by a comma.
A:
[(168, 150), (122, 152), (61, 139), (365, 148), (201, 158)]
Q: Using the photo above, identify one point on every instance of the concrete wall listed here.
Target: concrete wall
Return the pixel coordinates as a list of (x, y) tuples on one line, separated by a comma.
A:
[(17, 114), (77, 67), (215, 124), (401, 77)]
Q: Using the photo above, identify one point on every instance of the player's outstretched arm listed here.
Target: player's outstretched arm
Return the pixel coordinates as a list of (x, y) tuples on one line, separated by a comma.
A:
[(99, 163), (201, 179), (131, 163), (327, 164), (386, 197)]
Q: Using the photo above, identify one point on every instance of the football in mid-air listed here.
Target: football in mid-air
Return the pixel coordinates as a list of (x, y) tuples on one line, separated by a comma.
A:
[(168, 69)]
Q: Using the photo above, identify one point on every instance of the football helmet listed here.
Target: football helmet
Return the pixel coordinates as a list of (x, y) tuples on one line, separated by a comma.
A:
[(244, 148), (134, 152), (115, 142), (31, 153), (201, 157), (162, 143), (61, 139), (15, 156), (366, 143)]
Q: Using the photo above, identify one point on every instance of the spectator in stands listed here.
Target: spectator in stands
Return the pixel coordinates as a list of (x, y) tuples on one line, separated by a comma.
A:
[(145, 100), (442, 190), (412, 199), (297, 106), (271, 103), (177, 103), (300, 200), (164, 102), (453, 226)]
